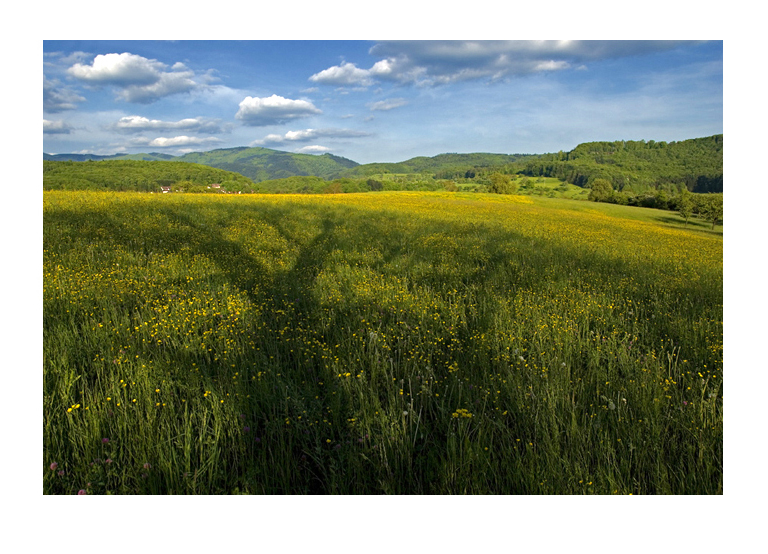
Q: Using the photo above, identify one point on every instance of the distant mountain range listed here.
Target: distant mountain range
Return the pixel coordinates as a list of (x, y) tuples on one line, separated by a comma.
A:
[(631, 165), (262, 164), (258, 164)]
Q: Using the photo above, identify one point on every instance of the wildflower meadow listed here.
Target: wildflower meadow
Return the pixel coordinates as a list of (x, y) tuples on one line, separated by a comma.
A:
[(379, 343)]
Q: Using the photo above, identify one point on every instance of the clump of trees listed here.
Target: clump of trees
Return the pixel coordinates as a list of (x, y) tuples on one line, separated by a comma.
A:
[(501, 184), (708, 206), (602, 191), (711, 208)]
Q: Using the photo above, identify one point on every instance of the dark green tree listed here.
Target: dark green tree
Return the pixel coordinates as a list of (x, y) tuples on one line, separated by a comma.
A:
[(712, 208), (685, 205), (602, 190), (501, 184)]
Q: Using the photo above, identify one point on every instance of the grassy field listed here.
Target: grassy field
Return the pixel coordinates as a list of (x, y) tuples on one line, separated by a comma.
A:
[(400, 343)]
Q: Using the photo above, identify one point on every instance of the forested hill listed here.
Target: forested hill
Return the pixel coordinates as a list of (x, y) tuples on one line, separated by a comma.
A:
[(140, 176), (260, 164), (443, 166), (638, 165), (630, 166)]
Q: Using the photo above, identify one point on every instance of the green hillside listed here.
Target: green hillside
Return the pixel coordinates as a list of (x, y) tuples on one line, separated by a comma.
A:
[(443, 166), (635, 166), (134, 175), (257, 164), (632, 167), (260, 164)]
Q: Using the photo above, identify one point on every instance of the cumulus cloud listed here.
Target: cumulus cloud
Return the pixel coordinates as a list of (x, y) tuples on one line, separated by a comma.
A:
[(343, 75), (137, 79), (308, 135), (57, 98), (273, 110), (348, 74), (169, 142), (118, 69), (169, 83), (315, 149), (56, 127), (139, 124), (389, 104), (428, 63)]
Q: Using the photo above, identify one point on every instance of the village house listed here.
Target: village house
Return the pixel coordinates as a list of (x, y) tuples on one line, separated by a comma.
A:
[(165, 189)]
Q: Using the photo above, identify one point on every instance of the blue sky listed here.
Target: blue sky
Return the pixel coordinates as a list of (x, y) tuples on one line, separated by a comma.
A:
[(376, 100)]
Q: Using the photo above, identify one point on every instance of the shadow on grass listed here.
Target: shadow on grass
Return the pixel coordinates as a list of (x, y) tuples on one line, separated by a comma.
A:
[(693, 225), (502, 259)]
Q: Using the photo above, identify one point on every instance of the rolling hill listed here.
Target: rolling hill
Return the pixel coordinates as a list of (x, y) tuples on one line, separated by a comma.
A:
[(137, 175), (631, 166), (258, 164)]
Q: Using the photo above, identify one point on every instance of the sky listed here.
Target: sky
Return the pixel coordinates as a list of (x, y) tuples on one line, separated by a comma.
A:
[(376, 101)]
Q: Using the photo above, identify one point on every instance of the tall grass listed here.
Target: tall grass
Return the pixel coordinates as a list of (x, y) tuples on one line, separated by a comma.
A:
[(400, 343)]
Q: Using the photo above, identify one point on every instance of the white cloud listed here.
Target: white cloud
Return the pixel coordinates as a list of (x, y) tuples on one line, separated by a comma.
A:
[(551, 65), (169, 142), (273, 110), (139, 124), (348, 74), (428, 63), (119, 69), (138, 79), (307, 135), (56, 127), (167, 84), (315, 149), (345, 74), (389, 104)]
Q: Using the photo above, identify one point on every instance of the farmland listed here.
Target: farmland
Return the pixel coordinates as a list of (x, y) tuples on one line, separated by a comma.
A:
[(387, 342)]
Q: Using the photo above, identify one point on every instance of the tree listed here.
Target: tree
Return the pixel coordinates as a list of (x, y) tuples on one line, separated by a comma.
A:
[(685, 205), (501, 184), (602, 190), (373, 184), (712, 208)]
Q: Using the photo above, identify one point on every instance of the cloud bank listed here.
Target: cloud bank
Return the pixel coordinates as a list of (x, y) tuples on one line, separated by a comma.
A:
[(57, 98), (430, 63), (56, 127)]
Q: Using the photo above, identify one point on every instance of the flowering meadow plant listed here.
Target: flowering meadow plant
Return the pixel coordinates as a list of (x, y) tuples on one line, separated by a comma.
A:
[(400, 343)]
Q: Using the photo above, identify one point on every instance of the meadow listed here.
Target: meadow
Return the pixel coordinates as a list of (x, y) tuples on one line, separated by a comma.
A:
[(378, 343)]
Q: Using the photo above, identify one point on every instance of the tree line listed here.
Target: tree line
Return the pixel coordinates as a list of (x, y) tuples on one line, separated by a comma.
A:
[(138, 176), (637, 166), (709, 206)]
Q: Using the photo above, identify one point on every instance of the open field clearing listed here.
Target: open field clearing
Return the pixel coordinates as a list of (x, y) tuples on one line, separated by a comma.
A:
[(401, 343)]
